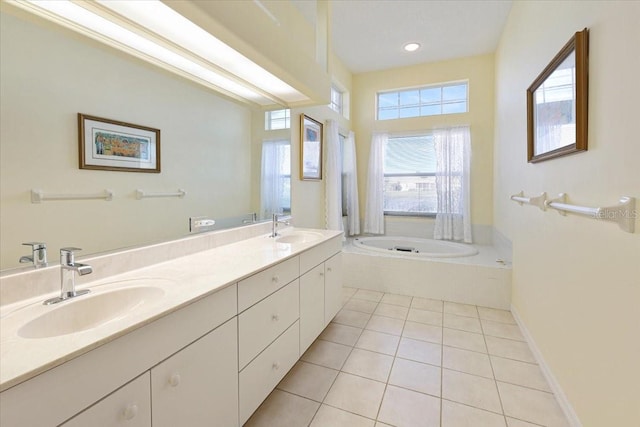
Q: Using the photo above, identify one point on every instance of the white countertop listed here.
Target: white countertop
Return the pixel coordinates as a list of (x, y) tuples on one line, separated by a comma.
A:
[(184, 280)]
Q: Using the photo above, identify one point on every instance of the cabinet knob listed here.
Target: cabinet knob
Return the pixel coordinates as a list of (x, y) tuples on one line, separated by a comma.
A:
[(275, 366), (174, 380), (275, 279), (130, 412), (275, 317), (321, 274), (329, 269)]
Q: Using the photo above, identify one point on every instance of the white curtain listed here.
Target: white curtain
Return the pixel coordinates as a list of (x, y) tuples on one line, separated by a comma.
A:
[(333, 184), (453, 160), (275, 176), (350, 185), (374, 208)]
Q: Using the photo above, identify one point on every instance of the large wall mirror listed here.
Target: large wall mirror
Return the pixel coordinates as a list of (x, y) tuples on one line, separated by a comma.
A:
[(209, 146), (557, 103)]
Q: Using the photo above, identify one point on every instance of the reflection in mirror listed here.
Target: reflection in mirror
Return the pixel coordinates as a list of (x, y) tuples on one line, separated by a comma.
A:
[(47, 76), (275, 183)]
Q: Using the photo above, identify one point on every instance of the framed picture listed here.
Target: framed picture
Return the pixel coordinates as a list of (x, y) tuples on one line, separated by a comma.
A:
[(310, 149), (117, 146), (557, 103)]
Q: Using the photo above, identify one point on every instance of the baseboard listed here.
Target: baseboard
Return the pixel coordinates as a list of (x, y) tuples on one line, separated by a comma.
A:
[(561, 397)]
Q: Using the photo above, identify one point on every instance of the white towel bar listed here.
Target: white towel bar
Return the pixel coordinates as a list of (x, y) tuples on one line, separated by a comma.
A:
[(624, 213), (38, 196), (140, 194), (538, 201)]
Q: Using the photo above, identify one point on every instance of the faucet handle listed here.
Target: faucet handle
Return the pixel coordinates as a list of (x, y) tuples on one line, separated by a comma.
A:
[(36, 245), (38, 254), (67, 255)]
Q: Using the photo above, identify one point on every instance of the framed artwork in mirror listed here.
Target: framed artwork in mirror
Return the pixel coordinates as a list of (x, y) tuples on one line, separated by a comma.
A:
[(557, 103), (111, 145), (310, 149)]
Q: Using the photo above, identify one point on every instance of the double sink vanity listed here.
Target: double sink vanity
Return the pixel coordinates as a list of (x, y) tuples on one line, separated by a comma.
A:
[(199, 334)]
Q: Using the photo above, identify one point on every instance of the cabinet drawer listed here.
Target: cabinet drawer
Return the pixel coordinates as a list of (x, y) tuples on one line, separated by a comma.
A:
[(318, 254), (256, 287), (262, 323), (261, 376), (128, 406)]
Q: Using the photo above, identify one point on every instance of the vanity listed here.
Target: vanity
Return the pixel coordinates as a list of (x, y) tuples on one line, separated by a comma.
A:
[(203, 338)]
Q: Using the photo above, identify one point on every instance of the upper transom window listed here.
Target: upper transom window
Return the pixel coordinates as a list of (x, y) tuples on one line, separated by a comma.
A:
[(277, 119), (448, 98)]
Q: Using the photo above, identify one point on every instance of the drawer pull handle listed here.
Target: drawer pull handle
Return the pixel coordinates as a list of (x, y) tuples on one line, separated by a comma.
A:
[(275, 317), (130, 412), (174, 380), (275, 366), (275, 279)]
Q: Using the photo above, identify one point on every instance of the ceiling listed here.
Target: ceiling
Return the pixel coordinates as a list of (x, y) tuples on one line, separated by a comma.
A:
[(368, 35)]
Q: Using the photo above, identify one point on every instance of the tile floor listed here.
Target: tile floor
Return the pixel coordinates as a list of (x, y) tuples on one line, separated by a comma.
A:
[(394, 360)]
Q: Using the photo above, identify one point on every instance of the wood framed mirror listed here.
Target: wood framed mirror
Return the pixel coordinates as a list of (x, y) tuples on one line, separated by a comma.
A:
[(557, 103)]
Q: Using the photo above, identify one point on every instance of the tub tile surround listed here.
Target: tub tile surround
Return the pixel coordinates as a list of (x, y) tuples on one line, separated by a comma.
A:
[(228, 257), (389, 379)]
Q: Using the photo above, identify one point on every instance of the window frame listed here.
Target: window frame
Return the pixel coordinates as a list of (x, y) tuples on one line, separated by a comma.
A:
[(268, 119), (420, 105), (339, 107)]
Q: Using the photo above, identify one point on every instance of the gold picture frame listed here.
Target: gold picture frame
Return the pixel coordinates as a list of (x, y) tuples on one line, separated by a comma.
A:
[(311, 136), (111, 145), (557, 103)]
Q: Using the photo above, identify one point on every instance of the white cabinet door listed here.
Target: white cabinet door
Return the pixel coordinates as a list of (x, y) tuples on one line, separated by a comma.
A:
[(311, 306), (129, 406), (332, 287), (198, 386)]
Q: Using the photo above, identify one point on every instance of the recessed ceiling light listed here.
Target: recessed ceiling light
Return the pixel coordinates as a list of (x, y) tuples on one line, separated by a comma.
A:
[(411, 47)]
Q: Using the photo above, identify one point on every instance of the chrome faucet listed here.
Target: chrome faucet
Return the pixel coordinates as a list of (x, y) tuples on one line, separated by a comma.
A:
[(253, 220), (38, 254), (278, 219), (68, 270)]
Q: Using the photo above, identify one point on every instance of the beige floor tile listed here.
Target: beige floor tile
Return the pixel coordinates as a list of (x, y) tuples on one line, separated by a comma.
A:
[(496, 315), (520, 373), (326, 353), (378, 342), (420, 351), (416, 376), (361, 305), (348, 292), (420, 331), (402, 407), (389, 310), (427, 304), (511, 422), (531, 405), (458, 415), (284, 410), (464, 340), (385, 324), (368, 295), (471, 390), (308, 380), (341, 334), (510, 349), (402, 300), (328, 416), (460, 309), (424, 316), (467, 361), (351, 318), (379, 424), (375, 366), (502, 330), (463, 323), (356, 394)]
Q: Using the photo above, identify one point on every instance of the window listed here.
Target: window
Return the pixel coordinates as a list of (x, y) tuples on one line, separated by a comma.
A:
[(336, 100), (409, 176), (277, 119), (447, 98)]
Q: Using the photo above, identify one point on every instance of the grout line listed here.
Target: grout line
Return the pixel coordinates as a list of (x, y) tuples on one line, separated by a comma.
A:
[(495, 382)]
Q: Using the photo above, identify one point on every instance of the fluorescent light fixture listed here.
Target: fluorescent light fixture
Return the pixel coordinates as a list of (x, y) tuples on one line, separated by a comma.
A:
[(174, 43), (411, 47)]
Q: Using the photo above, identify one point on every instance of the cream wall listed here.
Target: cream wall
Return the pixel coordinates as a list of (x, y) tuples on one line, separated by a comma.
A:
[(479, 71), (48, 75), (576, 281)]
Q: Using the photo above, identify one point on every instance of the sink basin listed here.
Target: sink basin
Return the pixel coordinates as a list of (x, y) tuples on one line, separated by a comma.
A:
[(299, 237), (89, 311)]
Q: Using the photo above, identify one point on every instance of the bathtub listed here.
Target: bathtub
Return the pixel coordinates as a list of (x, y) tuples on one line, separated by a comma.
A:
[(468, 274), (415, 247)]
